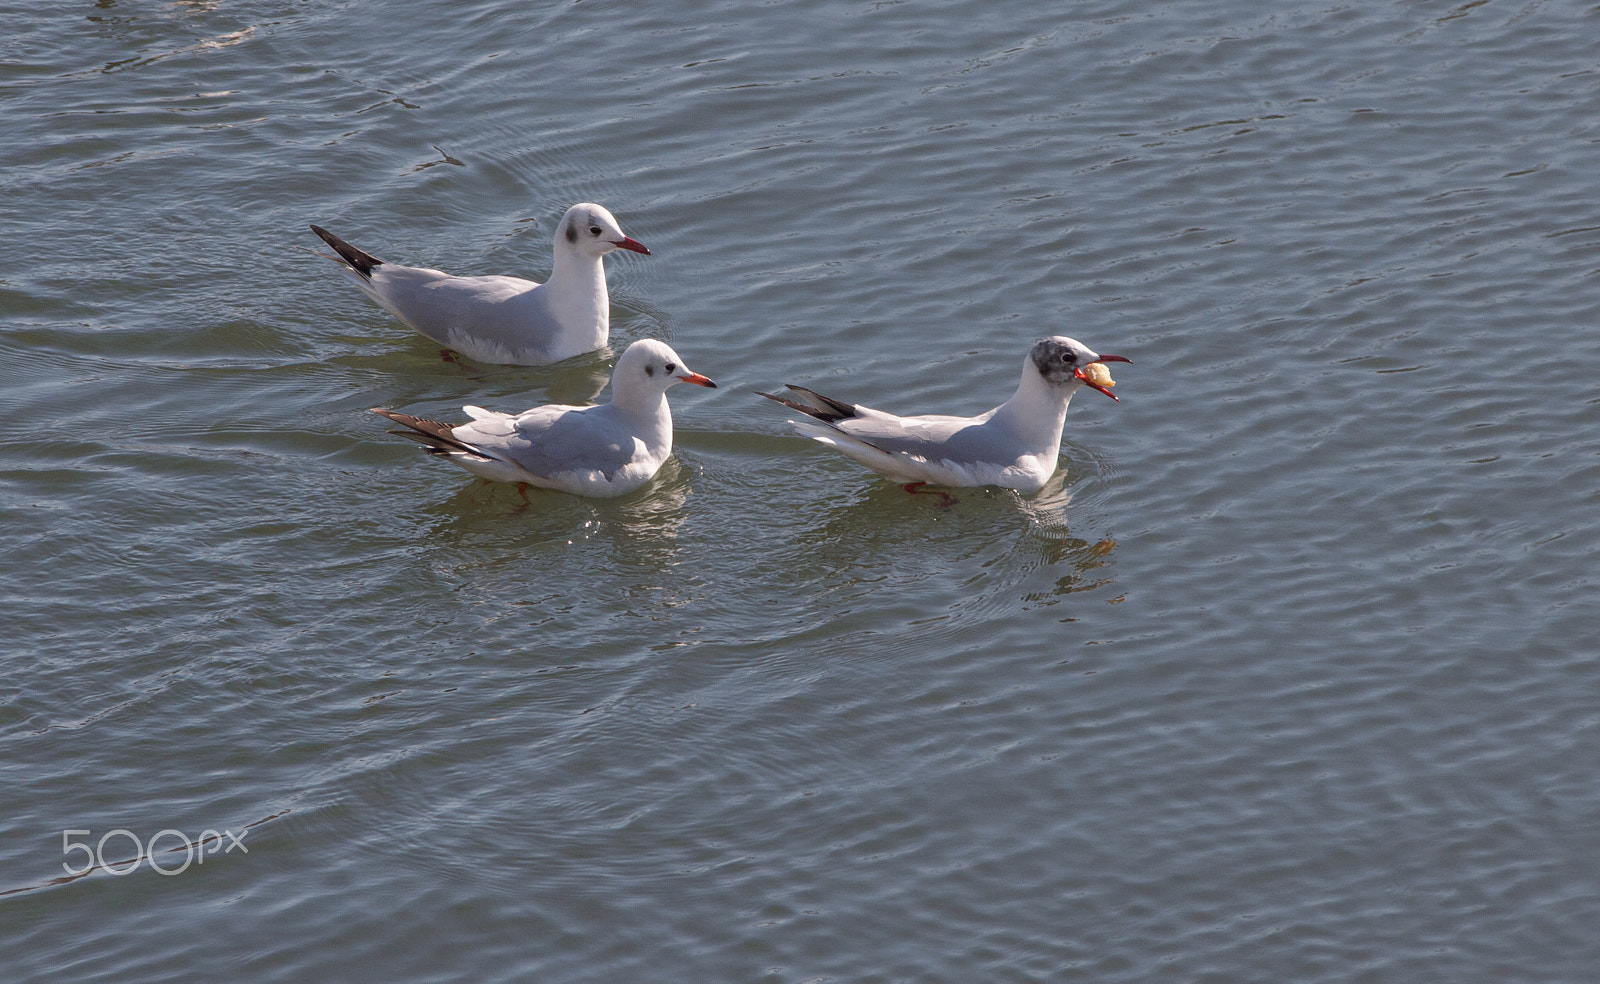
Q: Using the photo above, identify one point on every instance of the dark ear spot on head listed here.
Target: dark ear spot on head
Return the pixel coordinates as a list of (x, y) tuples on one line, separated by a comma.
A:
[(650, 371), (572, 232), (1051, 357)]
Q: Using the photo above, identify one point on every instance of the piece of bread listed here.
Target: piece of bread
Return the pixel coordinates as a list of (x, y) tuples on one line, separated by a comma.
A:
[(1097, 373)]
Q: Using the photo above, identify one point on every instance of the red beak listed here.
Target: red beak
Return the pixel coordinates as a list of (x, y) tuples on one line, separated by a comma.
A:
[(627, 242), (698, 380)]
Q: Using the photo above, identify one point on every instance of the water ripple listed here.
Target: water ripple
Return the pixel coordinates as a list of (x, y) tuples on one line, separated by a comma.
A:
[(1284, 677)]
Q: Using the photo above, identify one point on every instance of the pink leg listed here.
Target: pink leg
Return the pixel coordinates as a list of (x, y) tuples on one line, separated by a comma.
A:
[(454, 358), (946, 500), (522, 490)]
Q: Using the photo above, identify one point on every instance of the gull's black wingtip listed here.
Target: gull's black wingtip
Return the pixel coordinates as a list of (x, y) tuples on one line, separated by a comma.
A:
[(357, 260)]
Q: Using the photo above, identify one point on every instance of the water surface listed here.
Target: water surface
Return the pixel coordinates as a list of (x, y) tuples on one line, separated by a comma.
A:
[(1288, 676)]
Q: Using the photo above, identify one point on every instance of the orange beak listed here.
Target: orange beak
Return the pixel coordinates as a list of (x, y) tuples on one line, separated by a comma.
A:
[(698, 380)]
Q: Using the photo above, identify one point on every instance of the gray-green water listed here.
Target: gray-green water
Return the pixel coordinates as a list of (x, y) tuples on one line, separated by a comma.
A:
[(1291, 675)]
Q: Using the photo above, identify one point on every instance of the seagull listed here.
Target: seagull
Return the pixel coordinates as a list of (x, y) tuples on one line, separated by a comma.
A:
[(504, 320), (599, 451), (1015, 445)]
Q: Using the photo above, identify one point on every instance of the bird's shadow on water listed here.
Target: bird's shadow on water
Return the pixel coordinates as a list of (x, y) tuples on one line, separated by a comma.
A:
[(1001, 547), (424, 370), (641, 530), (842, 547)]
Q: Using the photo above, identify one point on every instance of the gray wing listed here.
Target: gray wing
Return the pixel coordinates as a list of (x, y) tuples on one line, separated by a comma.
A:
[(554, 440), (505, 311), (959, 440)]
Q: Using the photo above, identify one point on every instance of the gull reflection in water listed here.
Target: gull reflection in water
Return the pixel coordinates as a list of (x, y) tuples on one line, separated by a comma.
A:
[(494, 518), (974, 549)]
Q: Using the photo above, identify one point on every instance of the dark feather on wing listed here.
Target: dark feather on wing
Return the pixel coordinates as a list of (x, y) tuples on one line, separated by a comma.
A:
[(824, 408), (359, 261), (432, 433)]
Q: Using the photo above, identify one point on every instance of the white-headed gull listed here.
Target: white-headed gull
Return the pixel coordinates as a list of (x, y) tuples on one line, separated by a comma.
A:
[(504, 320), (1015, 445), (602, 451)]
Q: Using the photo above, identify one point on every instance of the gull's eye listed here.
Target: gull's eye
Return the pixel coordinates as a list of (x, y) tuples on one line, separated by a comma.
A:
[(594, 230), (671, 368)]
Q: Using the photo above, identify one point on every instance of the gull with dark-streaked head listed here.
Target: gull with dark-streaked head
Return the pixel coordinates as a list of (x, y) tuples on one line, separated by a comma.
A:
[(505, 320), (600, 451), (1016, 445)]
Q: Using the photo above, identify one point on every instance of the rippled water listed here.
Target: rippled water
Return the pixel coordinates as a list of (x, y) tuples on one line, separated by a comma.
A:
[(1289, 676)]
